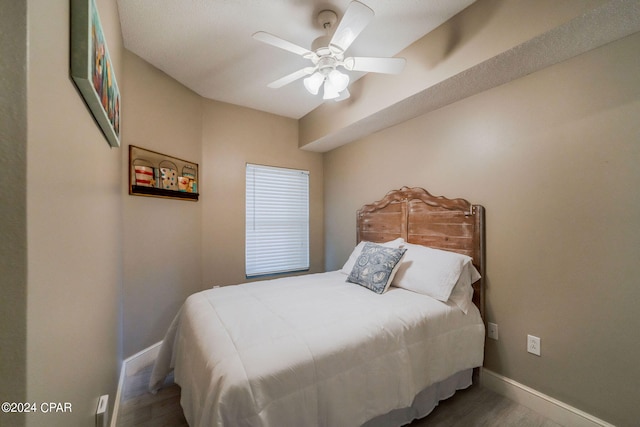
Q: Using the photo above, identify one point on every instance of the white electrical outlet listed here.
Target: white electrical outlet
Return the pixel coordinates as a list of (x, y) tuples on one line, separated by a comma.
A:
[(492, 330), (533, 345)]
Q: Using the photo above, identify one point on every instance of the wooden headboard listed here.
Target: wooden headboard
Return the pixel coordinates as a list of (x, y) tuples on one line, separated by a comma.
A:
[(435, 221)]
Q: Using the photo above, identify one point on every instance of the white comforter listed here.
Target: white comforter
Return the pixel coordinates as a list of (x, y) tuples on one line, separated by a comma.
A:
[(311, 351)]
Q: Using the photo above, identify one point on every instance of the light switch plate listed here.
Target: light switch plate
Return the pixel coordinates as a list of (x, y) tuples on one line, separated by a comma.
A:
[(492, 330)]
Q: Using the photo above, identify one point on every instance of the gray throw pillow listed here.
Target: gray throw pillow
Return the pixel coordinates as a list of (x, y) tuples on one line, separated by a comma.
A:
[(376, 266)]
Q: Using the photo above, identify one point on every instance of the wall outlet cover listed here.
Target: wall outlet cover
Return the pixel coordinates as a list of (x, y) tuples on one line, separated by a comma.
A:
[(102, 414), (533, 345)]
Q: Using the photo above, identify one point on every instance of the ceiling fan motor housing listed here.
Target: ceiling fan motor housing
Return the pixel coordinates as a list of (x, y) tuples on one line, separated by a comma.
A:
[(326, 63)]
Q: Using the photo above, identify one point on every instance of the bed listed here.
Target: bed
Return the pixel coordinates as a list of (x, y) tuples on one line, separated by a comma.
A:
[(327, 349)]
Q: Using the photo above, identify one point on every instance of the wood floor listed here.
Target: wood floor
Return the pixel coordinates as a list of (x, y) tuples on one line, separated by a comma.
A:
[(475, 406)]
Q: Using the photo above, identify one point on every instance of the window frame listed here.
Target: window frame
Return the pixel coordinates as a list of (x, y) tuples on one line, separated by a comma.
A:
[(282, 221)]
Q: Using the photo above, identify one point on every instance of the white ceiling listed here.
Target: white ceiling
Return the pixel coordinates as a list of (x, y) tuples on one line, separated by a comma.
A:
[(207, 46)]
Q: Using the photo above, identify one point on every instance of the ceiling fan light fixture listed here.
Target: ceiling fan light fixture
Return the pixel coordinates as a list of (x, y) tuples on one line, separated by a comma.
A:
[(328, 52), (313, 83), (343, 95), (330, 91), (339, 80)]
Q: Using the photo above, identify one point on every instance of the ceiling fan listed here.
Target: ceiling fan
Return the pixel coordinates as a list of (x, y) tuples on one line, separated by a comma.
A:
[(327, 53)]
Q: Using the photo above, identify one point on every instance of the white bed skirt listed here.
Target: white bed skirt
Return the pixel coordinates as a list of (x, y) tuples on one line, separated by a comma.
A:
[(425, 401), (258, 354)]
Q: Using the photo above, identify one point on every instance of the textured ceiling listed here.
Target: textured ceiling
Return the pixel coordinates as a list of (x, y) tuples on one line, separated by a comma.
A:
[(207, 46)]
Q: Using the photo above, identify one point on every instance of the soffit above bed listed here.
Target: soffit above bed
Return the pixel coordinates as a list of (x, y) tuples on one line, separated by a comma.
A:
[(207, 45), (331, 126)]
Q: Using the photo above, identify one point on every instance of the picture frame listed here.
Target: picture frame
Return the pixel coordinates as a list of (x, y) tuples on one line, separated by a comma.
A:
[(92, 70), (155, 174)]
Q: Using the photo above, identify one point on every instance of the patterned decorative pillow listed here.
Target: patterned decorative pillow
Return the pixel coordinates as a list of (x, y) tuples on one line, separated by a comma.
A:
[(348, 266), (376, 266)]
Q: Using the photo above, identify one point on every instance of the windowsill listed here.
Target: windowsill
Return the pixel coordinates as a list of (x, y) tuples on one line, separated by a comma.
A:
[(274, 275)]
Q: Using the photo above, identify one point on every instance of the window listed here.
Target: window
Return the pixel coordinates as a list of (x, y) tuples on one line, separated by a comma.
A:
[(277, 220)]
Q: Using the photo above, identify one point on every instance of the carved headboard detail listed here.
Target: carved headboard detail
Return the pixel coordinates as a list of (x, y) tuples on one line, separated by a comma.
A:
[(435, 221)]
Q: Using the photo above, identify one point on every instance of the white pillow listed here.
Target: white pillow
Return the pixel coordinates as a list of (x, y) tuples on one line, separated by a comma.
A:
[(462, 294), (351, 262), (430, 271)]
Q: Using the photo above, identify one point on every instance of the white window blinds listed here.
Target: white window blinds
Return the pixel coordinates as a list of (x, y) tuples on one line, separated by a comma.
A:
[(277, 220)]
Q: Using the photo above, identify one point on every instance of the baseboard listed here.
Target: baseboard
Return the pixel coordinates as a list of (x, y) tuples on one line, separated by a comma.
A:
[(551, 408), (142, 359), (131, 366), (116, 402)]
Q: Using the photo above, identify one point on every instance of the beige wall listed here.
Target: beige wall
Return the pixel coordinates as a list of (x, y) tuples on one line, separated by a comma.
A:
[(233, 136), (13, 205), (74, 221), (174, 248), (161, 239), (553, 157)]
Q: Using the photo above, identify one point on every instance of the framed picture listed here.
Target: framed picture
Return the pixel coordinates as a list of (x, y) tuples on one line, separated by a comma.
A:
[(91, 69)]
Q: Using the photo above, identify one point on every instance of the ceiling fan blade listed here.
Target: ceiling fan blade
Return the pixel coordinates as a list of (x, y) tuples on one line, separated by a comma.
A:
[(375, 65), (292, 77), (355, 19), (281, 43)]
